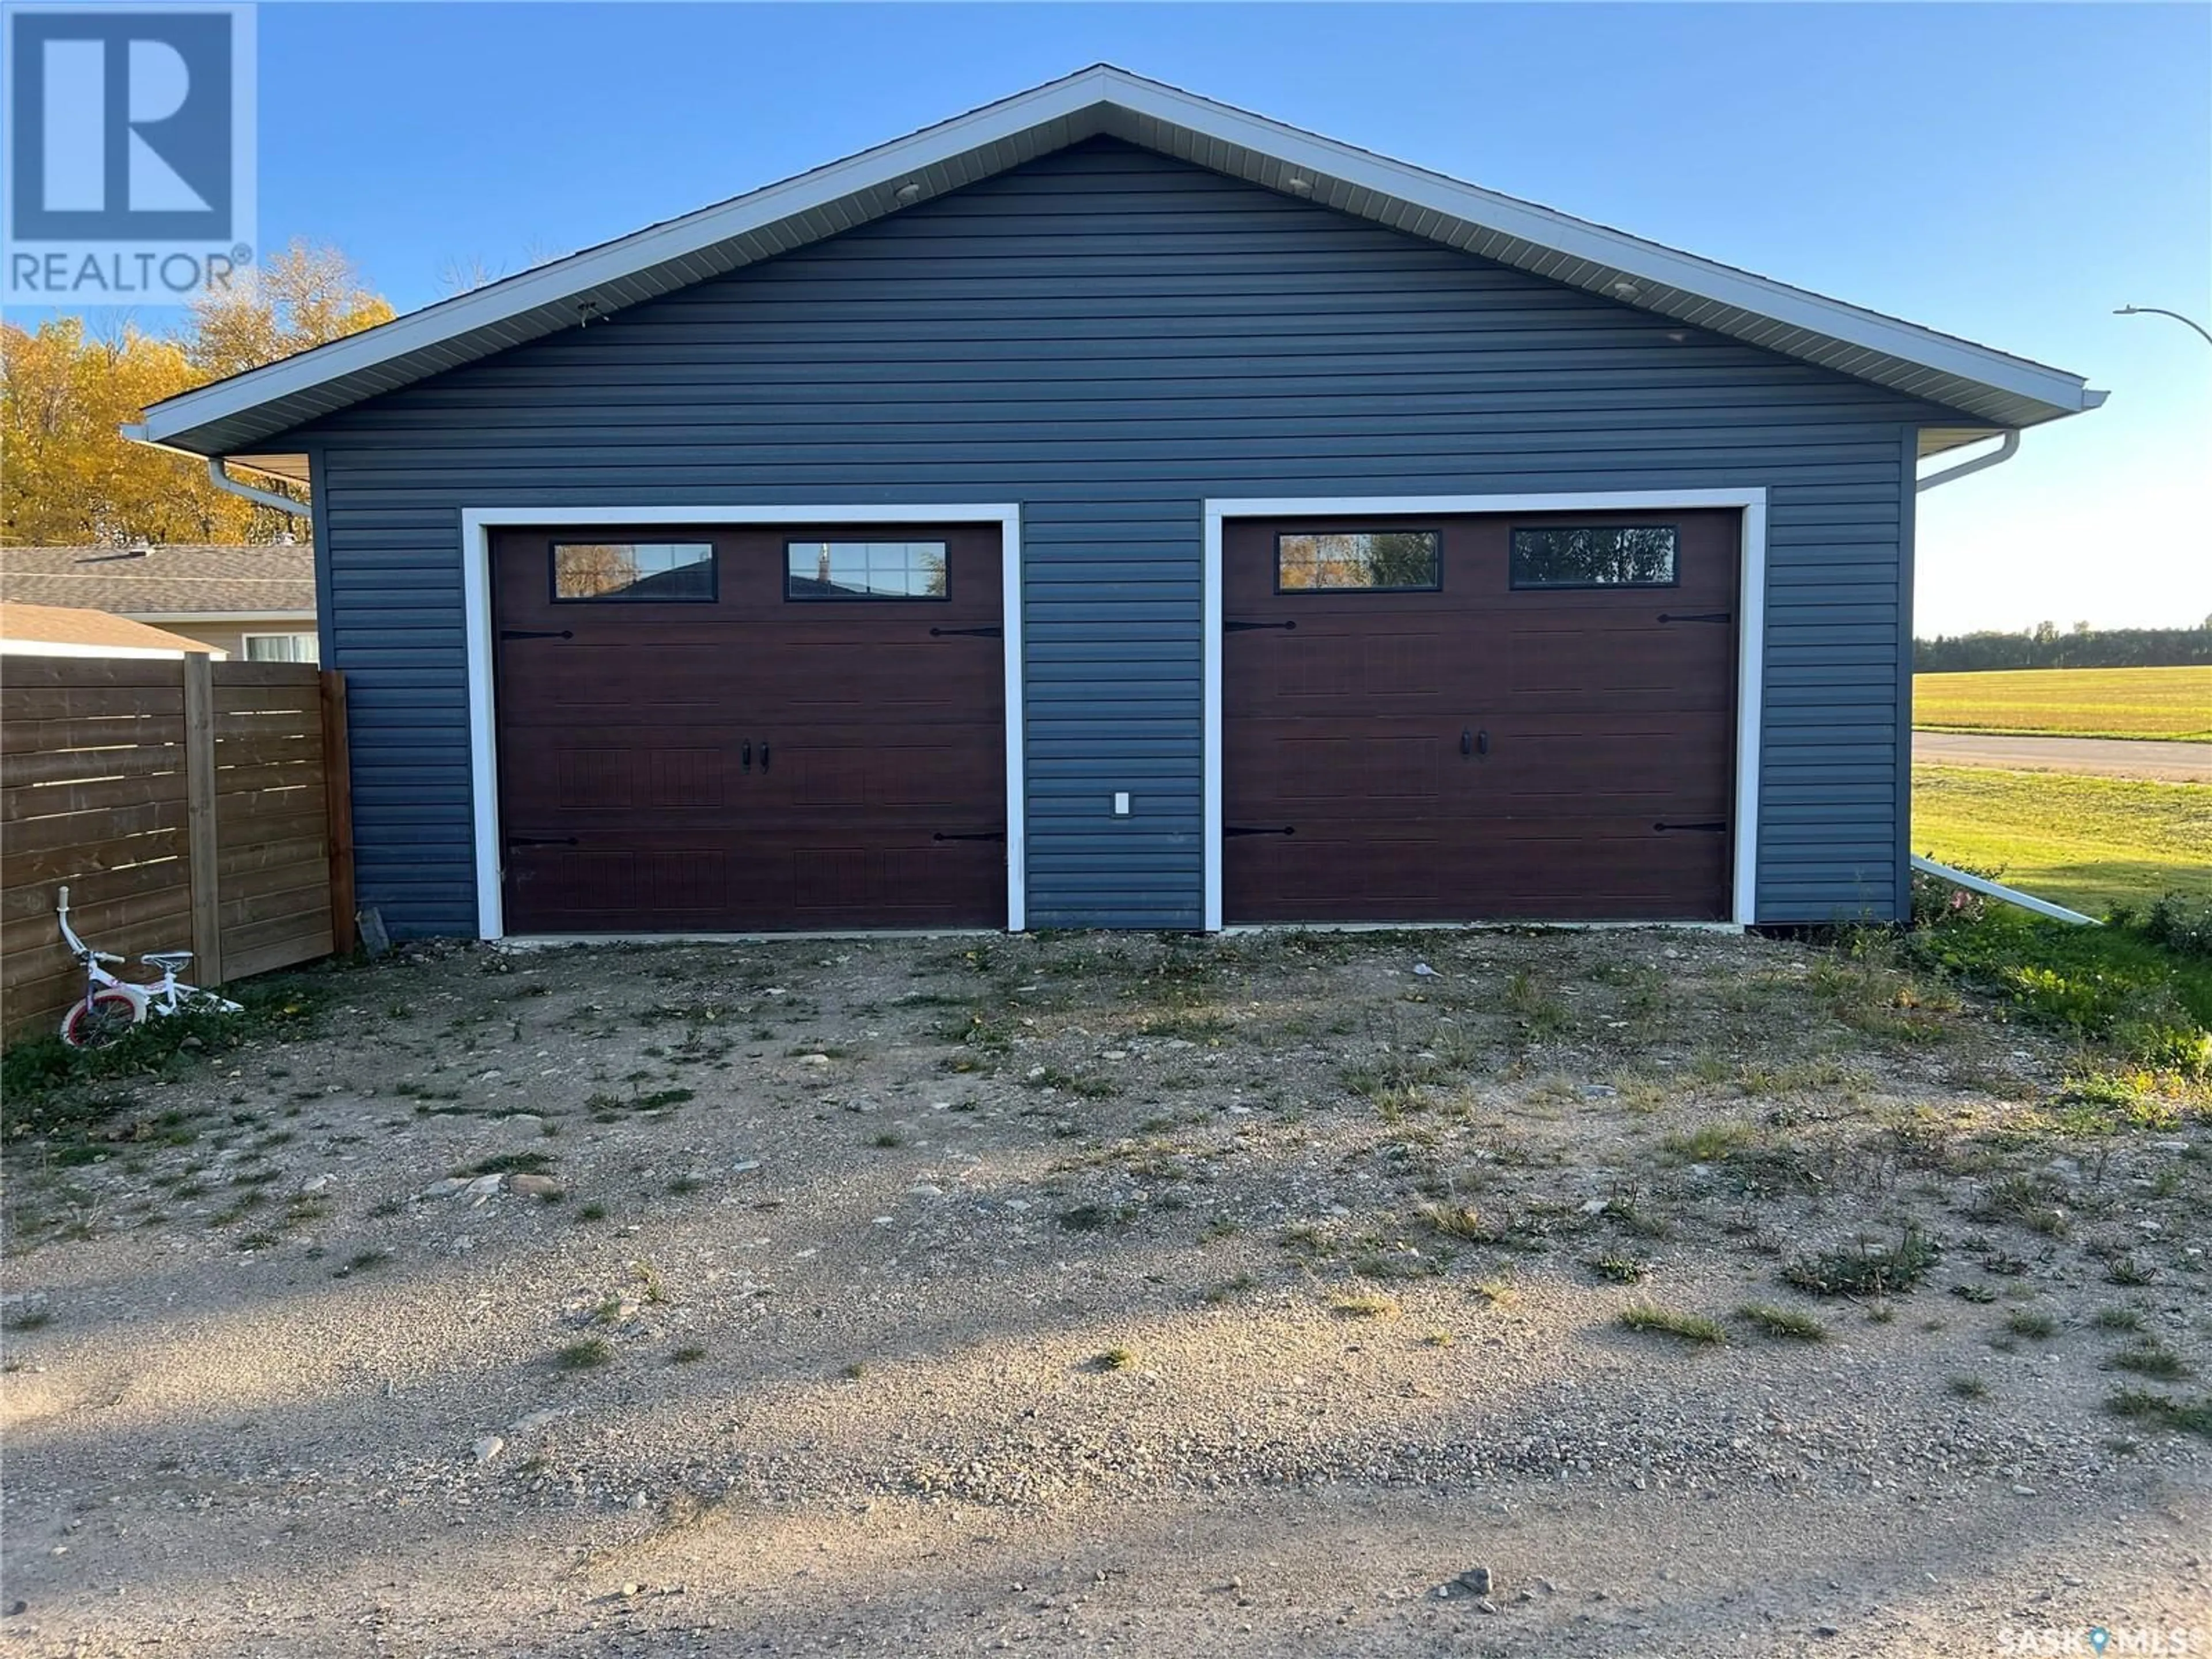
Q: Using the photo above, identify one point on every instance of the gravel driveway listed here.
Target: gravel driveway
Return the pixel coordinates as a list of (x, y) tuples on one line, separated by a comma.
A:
[(1448, 1293)]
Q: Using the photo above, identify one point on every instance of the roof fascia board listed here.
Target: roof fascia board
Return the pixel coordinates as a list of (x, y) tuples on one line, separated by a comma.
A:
[(1072, 101), (1579, 239), (1106, 100)]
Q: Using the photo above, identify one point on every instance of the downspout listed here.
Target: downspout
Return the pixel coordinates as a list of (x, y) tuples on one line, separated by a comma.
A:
[(223, 480), (1997, 457)]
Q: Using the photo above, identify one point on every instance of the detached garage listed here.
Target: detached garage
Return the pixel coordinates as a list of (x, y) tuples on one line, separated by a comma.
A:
[(1111, 508)]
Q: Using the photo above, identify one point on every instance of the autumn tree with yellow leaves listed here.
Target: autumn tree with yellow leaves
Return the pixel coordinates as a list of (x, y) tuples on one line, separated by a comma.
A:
[(68, 477)]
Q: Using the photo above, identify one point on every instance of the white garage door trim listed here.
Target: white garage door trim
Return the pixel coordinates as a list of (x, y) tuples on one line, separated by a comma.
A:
[(1751, 637), (478, 522)]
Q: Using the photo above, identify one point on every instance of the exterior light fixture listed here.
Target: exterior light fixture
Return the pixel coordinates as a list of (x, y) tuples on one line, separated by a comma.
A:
[(1298, 184), (907, 193), (1624, 289)]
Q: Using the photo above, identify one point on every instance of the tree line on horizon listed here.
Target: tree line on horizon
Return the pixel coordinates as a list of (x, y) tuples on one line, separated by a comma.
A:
[(2084, 647), (71, 479)]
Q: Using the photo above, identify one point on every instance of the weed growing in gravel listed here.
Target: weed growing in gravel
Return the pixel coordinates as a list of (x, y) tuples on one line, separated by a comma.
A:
[(1436, 1339), (1967, 1388), (854, 1370), (889, 1140), (2118, 1319), (1115, 1359), (1710, 1144), (1863, 1268), (2149, 1358), (1094, 1218), (365, 1262), (1229, 1290), (2163, 1411), (690, 1354), (31, 1319), (2032, 1324), (583, 1356), (1981, 1295), (593, 1212), (1364, 1304), (1785, 1323), (1459, 1221), (1621, 1269), (2025, 1201), (2128, 1272), (510, 1163), (1647, 1316), (1497, 1292)]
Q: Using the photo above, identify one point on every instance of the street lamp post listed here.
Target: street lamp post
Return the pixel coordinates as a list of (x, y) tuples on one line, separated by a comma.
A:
[(2161, 311)]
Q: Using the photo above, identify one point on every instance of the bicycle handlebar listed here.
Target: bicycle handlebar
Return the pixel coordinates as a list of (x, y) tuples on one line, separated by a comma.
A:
[(77, 947)]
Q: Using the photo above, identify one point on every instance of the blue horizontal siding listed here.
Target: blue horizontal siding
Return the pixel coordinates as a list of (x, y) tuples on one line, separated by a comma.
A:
[(1110, 337)]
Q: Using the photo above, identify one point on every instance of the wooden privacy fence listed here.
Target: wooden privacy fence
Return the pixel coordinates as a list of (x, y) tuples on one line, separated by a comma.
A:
[(197, 805)]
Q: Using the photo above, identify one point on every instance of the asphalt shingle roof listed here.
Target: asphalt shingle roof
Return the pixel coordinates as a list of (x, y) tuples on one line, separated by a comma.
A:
[(48, 624), (215, 581)]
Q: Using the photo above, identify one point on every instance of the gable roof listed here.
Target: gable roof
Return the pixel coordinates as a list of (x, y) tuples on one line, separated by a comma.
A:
[(168, 582), (24, 629), (231, 417)]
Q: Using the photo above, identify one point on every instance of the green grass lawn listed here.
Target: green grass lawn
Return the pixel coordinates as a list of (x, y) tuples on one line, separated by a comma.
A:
[(2087, 843), (2173, 703)]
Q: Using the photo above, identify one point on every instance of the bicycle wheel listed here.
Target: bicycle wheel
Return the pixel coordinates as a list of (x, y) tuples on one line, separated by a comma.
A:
[(104, 1017)]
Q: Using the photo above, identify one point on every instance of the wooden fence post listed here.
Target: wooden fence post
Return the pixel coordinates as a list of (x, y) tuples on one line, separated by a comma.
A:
[(199, 817), (337, 803)]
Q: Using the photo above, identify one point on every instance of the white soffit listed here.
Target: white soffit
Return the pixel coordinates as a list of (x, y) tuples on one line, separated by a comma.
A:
[(233, 415)]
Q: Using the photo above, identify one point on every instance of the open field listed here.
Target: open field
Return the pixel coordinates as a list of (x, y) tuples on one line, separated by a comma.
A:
[(2083, 702), (1085, 1293), (2087, 843)]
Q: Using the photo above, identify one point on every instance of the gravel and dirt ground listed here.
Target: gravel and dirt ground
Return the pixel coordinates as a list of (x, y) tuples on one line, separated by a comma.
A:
[(1605, 1294)]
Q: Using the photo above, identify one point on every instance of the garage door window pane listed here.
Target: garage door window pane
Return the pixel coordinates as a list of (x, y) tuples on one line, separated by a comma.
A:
[(1615, 555), (863, 570), (639, 572), (1313, 561)]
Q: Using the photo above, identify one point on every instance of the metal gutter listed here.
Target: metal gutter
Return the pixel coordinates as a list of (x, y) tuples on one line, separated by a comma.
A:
[(220, 479), (1997, 889), (1997, 457)]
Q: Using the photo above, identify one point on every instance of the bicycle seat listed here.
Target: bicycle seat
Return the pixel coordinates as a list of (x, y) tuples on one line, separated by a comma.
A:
[(168, 961)]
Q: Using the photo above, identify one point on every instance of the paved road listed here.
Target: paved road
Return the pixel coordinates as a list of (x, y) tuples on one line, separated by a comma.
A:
[(2109, 758)]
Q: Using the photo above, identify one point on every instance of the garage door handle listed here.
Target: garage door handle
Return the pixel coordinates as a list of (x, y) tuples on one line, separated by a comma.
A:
[(1246, 628), (1712, 824), (981, 835), (536, 633), (1473, 743), (763, 755), (1702, 616), (980, 633), (745, 756), (541, 841), (1258, 830)]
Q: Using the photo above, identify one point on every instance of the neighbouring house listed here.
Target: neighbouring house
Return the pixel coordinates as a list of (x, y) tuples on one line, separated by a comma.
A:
[(253, 604), (1108, 507), (48, 630)]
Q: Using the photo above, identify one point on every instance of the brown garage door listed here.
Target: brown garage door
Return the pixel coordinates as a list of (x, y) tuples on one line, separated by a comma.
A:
[(723, 730), (1480, 718)]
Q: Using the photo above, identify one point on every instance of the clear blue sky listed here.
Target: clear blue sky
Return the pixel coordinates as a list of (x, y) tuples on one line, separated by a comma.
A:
[(2006, 173)]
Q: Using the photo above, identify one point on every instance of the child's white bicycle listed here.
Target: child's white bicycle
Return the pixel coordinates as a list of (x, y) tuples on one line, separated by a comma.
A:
[(111, 1007)]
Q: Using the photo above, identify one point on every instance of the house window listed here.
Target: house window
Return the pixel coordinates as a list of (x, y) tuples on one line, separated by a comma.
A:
[(863, 570), (1382, 560), (635, 572), (282, 648), (1614, 555)]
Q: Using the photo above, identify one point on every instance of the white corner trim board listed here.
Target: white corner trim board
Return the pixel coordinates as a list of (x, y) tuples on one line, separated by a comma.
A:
[(478, 522), (1751, 637)]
